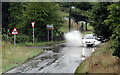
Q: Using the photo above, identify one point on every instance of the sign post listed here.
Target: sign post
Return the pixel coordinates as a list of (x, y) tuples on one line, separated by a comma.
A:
[(48, 34), (14, 32), (52, 32), (14, 40), (33, 35), (7, 35), (50, 27), (33, 23)]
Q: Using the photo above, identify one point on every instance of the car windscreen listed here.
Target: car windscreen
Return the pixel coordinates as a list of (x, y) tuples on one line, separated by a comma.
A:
[(89, 37)]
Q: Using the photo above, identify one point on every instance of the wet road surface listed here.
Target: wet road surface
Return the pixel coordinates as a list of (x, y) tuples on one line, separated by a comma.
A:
[(64, 61)]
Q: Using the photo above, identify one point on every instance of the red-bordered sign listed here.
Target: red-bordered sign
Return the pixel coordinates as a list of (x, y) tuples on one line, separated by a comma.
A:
[(33, 23), (14, 32)]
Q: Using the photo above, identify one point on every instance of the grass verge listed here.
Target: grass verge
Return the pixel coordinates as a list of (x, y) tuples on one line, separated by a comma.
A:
[(39, 44), (101, 61), (12, 58), (0, 56)]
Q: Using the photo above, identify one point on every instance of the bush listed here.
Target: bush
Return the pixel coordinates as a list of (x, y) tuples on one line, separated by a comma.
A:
[(20, 38), (29, 44), (117, 49), (116, 44), (4, 37)]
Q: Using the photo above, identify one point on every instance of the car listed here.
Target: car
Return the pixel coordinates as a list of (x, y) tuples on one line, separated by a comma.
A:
[(90, 40)]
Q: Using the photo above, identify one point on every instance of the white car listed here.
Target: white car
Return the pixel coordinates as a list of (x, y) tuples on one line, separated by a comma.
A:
[(90, 40)]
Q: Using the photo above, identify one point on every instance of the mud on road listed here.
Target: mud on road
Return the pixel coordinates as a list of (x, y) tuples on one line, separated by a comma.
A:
[(60, 60)]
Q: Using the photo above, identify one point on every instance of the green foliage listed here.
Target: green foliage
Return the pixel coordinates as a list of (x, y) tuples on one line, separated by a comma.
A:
[(99, 14), (113, 19), (5, 14), (21, 15), (83, 5), (106, 23), (113, 22), (116, 45), (78, 15), (63, 4), (81, 10), (22, 38), (29, 44), (80, 5), (15, 15), (4, 37)]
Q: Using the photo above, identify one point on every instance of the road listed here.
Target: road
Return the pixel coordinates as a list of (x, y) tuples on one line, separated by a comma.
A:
[(66, 60)]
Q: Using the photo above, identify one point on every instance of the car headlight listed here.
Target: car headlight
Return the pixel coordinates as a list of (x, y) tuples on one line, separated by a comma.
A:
[(83, 41)]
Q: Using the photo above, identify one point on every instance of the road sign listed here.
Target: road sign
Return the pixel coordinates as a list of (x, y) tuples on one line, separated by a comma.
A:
[(33, 23), (14, 32), (50, 27)]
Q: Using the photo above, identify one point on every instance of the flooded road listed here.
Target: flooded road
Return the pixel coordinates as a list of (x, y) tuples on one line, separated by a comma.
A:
[(66, 60)]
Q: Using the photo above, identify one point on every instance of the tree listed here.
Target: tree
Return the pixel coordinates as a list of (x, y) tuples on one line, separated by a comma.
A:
[(113, 22), (42, 13), (5, 14), (81, 11), (99, 14), (15, 11)]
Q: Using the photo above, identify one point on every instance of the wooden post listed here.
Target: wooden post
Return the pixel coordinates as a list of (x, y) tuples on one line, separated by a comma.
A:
[(48, 34)]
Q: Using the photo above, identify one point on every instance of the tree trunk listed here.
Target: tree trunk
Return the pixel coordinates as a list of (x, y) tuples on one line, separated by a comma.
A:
[(82, 27), (86, 26)]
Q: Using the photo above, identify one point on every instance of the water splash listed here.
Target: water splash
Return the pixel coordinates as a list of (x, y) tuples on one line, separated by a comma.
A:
[(73, 38)]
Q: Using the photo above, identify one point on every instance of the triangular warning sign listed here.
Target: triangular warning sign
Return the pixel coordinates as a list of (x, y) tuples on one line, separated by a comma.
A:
[(15, 32)]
